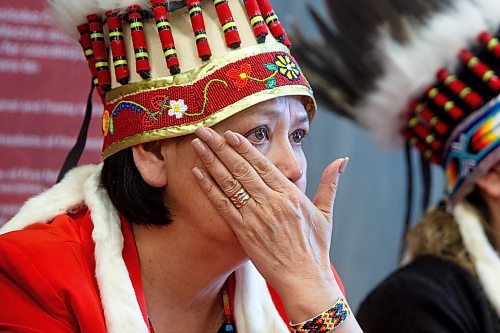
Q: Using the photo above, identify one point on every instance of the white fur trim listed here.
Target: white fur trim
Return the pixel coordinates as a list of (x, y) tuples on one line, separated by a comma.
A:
[(484, 257), (58, 199), (119, 302), (410, 68), (252, 300)]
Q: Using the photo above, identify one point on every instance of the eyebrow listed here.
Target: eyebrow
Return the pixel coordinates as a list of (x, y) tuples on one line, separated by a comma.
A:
[(303, 118)]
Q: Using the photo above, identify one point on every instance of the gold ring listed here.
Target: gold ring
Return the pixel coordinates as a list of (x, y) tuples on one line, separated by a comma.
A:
[(240, 198)]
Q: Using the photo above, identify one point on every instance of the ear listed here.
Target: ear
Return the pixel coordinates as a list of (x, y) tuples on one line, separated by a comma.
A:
[(150, 160), (489, 183)]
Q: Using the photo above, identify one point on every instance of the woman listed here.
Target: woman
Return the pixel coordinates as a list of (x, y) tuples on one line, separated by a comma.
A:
[(394, 68), (175, 231)]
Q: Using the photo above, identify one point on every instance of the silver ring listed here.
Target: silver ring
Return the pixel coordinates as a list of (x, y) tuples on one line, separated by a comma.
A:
[(240, 198)]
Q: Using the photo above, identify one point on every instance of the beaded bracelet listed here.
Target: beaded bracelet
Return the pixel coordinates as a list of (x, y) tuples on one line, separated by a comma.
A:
[(325, 321)]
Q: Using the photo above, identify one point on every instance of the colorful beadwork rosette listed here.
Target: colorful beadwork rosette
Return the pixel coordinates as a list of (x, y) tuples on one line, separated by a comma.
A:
[(165, 67), (472, 148), (424, 73)]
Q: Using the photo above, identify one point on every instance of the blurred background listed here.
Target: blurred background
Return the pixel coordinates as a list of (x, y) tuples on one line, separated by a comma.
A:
[(44, 82)]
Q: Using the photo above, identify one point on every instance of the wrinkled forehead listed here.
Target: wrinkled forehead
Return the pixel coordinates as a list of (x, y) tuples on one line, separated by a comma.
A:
[(283, 107)]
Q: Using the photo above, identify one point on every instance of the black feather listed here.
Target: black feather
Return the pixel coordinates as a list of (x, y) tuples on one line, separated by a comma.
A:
[(343, 66)]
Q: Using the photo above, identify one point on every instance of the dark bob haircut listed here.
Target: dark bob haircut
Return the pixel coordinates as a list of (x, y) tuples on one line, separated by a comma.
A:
[(136, 200)]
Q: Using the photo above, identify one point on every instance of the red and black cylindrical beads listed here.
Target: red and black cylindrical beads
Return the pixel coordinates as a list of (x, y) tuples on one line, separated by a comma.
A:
[(481, 70), (117, 45), (423, 111), (425, 134), (460, 89), (431, 155), (166, 37), (99, 50), (256, 20), (226, 20), (86, 44), (445, 103), (200, 33), (142, 65), (491, 43), (272, 22)]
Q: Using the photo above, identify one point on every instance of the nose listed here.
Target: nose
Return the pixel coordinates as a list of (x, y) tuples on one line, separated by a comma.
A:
[(291, 163)]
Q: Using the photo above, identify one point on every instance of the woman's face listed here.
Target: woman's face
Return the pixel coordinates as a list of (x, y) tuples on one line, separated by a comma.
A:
[(275, 127)]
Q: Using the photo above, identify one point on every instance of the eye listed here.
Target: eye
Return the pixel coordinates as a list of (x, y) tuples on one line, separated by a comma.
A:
[(258, 135), (297, 136)]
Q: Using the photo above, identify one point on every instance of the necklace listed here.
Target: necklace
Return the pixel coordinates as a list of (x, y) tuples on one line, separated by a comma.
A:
[(227, 325), (228, 317)]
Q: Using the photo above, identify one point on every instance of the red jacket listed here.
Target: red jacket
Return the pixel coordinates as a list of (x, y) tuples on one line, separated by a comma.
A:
[(47, 277)]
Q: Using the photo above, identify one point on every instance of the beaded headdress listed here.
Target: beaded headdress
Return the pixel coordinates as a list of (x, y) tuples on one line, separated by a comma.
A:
[(424, 73), (164, 68)]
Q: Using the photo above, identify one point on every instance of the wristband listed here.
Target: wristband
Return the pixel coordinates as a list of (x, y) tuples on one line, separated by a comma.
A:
[(325, 321)]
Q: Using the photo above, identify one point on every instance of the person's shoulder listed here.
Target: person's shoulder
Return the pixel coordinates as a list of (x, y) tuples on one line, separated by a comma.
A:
[(428, 289), (63, 228), (427, 272), (46, 247), (47, 274), (426, 277)]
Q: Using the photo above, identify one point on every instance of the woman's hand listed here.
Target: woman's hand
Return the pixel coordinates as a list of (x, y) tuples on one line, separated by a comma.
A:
[(286, 236)]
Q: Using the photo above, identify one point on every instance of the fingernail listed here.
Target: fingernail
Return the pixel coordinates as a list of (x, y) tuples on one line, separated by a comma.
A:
[(199, 146), (232, 139), (198, 173), (343, 165), (203, 133)]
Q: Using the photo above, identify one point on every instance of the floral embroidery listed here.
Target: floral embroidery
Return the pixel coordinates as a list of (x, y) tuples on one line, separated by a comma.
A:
[(177, 108), (287, 67), (105, 123), (282, 64), (241, 76), (108, 123), (158, 104), (147, 120)]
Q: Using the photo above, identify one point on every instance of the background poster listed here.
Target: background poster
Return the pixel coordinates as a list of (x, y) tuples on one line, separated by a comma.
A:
[(44, 82)]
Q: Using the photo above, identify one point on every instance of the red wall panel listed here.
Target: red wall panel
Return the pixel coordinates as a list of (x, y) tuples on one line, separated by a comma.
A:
[(44, 82)]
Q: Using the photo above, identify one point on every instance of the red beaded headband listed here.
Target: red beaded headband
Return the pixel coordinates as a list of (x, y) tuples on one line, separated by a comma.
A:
[(164, 108)]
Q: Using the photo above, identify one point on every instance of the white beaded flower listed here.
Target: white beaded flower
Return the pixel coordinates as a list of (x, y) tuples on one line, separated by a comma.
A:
[(177, 108)]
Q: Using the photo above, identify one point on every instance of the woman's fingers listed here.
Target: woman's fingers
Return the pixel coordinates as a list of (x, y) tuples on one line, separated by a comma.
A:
[(218, 171), (216, 196), (266, 170), (234, 163), (327, 188), (228, 168)]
